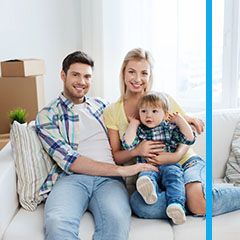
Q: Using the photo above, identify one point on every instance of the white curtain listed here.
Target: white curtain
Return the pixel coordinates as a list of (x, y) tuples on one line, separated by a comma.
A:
[(226, 53), (173, 31)]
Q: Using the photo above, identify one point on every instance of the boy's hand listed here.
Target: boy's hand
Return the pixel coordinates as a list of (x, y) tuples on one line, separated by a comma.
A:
[(176, 118)]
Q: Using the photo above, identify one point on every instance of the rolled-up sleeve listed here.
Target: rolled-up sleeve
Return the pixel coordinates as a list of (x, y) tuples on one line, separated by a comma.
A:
[(53, 141), (179, 137), (131, 146)]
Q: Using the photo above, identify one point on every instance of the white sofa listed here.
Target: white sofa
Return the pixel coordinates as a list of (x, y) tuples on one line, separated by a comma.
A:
[(17, 223)]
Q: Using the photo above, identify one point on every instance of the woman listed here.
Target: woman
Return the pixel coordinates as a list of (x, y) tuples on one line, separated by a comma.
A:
[(136, 80)]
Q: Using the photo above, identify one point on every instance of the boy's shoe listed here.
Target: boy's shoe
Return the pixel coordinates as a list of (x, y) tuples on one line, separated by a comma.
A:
[(146, 189), (176, 212)]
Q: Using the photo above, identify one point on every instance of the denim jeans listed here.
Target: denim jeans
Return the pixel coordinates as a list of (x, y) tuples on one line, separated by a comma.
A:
[(170, 179), (105, 197), (224, 198)]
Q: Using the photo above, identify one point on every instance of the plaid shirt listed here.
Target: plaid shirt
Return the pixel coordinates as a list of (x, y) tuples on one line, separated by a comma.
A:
[(168, 133), (58, 129)]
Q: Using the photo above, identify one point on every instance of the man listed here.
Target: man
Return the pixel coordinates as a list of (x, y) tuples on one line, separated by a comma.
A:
[(84, 175)]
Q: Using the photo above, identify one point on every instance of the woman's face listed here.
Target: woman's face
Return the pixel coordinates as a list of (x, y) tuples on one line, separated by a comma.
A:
[(136, 76)]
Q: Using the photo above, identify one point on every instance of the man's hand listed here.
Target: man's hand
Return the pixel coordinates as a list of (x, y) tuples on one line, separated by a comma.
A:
[(131, 170), (149, 148)]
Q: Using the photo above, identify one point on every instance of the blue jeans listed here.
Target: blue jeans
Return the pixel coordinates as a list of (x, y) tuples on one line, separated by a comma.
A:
[(170, 179), (225, 198), (105, 197)]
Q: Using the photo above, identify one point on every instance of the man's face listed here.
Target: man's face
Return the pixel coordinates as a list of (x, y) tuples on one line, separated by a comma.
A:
[(77, 82)]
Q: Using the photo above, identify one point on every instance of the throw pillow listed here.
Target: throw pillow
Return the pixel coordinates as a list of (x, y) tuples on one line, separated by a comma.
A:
[(233, 164), (32, 164)]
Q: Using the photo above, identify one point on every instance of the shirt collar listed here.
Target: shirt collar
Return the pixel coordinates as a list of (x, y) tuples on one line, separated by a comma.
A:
[(69, 104)]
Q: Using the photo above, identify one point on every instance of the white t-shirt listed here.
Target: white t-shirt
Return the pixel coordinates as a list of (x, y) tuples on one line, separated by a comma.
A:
[(94, 142)]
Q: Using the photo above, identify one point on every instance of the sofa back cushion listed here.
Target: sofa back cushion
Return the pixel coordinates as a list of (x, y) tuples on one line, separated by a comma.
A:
[(224, 122), (32, 164)]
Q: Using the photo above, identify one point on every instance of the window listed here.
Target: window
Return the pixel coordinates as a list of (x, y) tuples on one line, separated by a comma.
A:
[(173, 31), (226, 44)]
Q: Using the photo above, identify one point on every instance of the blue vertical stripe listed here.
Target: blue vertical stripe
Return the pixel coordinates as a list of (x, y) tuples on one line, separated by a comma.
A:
[(209, 118)]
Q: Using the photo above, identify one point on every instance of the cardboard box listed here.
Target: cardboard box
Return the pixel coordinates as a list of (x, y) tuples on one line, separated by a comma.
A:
[(24, 92), (22, 67), (4, 139)]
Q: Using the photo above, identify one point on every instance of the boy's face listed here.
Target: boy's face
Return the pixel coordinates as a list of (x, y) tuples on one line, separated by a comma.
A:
[(151, 116), (77, 82)]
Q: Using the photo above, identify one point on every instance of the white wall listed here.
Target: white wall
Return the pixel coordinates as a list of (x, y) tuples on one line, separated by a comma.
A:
[(43, 29)]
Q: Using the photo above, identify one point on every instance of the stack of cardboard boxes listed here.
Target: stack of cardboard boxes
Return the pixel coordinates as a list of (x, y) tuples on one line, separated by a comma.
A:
[(21, 85)]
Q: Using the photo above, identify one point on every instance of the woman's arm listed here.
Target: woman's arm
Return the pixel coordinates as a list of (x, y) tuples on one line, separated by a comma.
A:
[(145, 148), (198, 124), (168, 157)]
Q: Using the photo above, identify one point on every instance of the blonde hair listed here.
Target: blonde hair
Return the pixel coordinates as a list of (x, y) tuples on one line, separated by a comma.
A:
[(159, 100), (136, 54)]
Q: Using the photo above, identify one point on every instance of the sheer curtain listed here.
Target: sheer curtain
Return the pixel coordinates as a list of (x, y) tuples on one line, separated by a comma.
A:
[(173, 31), (226, 54)]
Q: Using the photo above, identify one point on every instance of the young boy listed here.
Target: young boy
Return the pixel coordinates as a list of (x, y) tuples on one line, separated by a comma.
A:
[(171, 129)]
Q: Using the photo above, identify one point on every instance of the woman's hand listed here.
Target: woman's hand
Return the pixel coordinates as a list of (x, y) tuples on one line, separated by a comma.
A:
[(196, 123), (131, 170), (169, 157), (163, 158), (149, 148)]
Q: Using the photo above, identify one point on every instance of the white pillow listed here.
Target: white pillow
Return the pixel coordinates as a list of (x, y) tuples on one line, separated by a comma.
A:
[(32, 164), (233, 164)]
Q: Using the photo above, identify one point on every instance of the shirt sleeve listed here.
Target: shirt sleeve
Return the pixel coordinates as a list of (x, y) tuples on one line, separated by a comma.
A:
[(179, 137), (131, 146), (109, 116), (52, 140)]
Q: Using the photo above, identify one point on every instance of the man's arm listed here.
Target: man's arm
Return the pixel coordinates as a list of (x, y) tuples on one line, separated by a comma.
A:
[(88, 166), (70, 160), (53, 141)]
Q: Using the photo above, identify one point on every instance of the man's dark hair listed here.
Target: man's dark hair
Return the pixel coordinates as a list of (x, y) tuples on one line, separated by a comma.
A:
[(76, 57)]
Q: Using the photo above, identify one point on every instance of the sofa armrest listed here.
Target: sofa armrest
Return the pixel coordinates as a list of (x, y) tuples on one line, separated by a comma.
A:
[(8, 192)]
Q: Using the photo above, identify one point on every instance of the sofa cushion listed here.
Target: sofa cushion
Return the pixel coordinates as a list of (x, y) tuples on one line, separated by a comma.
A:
[(32, 164), (226, 226), (29, 225), (193, 228)]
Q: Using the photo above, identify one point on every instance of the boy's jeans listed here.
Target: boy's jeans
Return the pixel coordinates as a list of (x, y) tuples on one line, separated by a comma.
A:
[(224, 198), (170, 179), (105, 197)]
